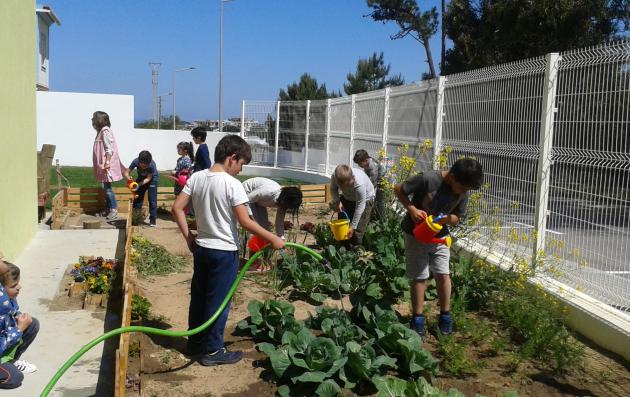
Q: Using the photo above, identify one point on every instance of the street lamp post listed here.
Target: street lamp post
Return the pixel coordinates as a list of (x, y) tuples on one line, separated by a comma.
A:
[(159, 98), (175, 71), (221, 69)]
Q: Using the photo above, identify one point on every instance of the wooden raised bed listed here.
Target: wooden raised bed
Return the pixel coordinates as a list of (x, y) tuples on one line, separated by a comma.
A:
[(91, 200), (122, 353)]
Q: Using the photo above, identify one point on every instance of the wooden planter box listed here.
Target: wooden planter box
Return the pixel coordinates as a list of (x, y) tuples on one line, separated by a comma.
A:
[(92, 301), (77, 288)]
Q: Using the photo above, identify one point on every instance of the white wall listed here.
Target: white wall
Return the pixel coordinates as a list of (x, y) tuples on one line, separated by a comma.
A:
[(64, 120)]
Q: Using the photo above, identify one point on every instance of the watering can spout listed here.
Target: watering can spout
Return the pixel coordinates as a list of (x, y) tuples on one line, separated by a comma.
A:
[(446, 240)]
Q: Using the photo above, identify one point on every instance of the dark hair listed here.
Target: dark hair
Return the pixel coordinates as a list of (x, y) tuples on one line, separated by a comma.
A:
[(199, 132), (360, 155), (100, 120), (468, 172), (145, 157), (290, 198), (188, 148), (12, 274), (232, 145)]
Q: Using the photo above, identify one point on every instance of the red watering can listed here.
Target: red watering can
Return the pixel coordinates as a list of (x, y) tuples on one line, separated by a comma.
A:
[(426, 230), (256, 243)]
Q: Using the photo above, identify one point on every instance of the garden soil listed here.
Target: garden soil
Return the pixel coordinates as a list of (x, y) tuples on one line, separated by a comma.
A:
[(160, 368)]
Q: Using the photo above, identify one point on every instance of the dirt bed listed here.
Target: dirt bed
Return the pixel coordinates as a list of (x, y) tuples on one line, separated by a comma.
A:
[(164, 370)]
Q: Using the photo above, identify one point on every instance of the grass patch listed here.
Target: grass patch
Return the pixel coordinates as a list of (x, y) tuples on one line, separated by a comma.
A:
[(153, 260)]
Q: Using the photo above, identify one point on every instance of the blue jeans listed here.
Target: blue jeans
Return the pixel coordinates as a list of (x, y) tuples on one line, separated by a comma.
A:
[(213, 275), (137, 203), (10, 376), (110, 197)]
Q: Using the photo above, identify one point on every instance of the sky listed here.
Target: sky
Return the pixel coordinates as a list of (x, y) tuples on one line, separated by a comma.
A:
[(105, 46)]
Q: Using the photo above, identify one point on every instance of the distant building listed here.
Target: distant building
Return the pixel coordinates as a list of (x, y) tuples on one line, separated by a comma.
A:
[(45, 17)]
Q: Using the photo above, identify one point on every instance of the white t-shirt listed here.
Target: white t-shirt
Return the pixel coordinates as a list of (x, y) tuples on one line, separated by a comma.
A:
[(213, 196)]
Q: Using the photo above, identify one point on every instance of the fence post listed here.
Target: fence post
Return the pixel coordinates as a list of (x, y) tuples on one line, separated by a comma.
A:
[(386, 118), (439, 118), (243, 120), (544, 161), (327, 163), (275, 156), (308, 118), (354, 96)]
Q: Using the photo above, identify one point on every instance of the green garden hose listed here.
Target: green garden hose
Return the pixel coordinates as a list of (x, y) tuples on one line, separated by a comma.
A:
[(157, 331)]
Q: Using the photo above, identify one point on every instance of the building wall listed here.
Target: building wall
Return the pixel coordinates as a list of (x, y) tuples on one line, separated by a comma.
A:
[(18, 160), (64, 120)]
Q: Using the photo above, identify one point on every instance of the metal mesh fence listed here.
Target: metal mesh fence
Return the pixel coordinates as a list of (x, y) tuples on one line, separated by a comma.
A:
[(497, 115), (589, 191), (259, 130), (493, 115)]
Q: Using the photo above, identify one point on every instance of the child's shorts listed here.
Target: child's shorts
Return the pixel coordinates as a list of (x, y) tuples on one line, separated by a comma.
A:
[(420, 257)]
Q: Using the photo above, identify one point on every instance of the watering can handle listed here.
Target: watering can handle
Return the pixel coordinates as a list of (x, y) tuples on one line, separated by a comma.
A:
[(342, 212)]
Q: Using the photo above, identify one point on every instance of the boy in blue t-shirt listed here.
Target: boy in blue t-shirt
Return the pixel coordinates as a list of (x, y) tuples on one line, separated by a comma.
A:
[(202, 156), (147, 180), (219, 201)]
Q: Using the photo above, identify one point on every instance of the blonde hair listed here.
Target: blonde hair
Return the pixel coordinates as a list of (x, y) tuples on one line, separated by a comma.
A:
[(343, 174)]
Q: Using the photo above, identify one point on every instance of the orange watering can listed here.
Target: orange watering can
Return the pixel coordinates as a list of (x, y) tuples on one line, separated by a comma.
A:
[(132, 186), (426, 230)]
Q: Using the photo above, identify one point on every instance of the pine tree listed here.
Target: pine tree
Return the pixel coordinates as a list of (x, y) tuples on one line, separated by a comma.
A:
[(371, 74)]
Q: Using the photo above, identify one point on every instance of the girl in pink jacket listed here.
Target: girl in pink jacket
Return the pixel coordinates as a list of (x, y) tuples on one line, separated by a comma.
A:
[(106, 162)]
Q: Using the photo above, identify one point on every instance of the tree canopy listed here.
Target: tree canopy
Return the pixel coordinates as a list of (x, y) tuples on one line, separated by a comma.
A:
[(371, 74), (489, 32), (421, 25), (305, 89)]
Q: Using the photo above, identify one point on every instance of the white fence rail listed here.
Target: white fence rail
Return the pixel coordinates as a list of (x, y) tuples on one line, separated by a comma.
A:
[(552, 134)]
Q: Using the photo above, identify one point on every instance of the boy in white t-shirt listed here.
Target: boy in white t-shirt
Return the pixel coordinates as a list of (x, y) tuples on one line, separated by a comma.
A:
[(219, 202)]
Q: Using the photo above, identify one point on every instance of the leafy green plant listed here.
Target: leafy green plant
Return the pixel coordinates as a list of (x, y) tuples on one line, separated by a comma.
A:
[(138, 215), (537, 326), (406, 345), (269, 321), (364, 363), (140, 307), (389, 386), (304, 358), (152, 260), (454, 359)]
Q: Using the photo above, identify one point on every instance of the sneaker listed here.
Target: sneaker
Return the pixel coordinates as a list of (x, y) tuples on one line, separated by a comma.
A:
[(113, 215), (445, 323), (152, 224), (221, 356), (25, 366), (417, 324)]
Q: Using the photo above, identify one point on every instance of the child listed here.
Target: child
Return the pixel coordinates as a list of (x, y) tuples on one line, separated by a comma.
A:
[(264, 193), (376, 172), (356, 200), (434, 193), (219, 201), (202, 157), (17, 330), (106, 163), (147, 180), (184, 165)]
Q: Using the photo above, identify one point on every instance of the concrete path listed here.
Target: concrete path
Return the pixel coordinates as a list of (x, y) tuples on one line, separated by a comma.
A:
[(62, 333)]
